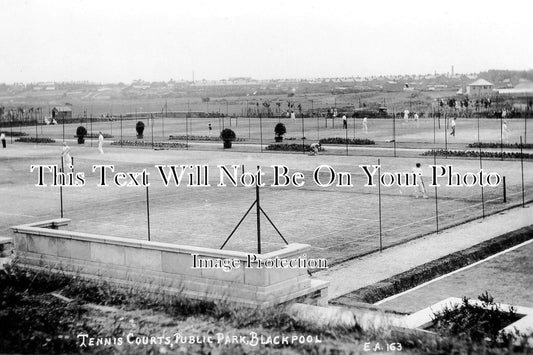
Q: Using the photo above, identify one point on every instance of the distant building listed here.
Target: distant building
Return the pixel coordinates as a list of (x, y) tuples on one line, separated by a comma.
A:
[(480, 87), (62, 112)]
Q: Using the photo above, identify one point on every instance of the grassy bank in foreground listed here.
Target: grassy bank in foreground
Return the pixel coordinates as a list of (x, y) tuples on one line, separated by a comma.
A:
[(55, 313)]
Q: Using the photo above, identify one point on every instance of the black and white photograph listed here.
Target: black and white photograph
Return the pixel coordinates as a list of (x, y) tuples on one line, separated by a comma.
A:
[(266, 177)]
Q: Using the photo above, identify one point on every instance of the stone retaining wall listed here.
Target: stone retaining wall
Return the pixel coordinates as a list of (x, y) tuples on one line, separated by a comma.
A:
[(164, 267)]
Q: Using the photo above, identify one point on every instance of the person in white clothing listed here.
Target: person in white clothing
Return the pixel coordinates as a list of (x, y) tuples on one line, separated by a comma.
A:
[(365, 125), (452, 133), (420, 186), (505, 132), (65, 155), (315, 147), (101, 142)]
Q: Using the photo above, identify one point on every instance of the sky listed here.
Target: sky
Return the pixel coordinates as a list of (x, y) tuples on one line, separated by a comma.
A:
[(120, 41)]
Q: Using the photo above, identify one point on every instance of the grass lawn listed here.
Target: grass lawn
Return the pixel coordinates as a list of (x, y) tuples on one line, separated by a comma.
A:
[(507, 278), (338, 222)]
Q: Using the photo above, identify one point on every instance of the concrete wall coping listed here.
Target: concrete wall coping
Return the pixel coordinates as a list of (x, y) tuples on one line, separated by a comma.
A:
[(6, 240), (46, 228)]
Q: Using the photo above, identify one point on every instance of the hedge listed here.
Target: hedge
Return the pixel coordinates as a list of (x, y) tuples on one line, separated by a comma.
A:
[(14, 134), (163, 145), (476, 154), (201, 138), (35, 140), (294, 147), (354, 141), (498, 145)]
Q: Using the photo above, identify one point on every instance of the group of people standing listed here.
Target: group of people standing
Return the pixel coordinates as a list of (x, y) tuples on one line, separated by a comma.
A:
[(67, 160)]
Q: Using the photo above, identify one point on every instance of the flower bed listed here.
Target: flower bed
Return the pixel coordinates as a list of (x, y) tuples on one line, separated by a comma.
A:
[(498, 145), (35, 140), (291, 147), (476, 154), (14, 134), (353, 141), (201, 138), (96, 135), (478, 322), (142, 144)]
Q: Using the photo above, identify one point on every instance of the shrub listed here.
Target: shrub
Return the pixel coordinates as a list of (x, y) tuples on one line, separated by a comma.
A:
[(81, 132), (139, 127), (476, 321), (280, 130), (227, 135)]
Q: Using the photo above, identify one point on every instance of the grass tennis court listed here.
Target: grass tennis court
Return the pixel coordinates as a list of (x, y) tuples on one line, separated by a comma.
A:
[(506, 277), (338, 222), (409, 134)]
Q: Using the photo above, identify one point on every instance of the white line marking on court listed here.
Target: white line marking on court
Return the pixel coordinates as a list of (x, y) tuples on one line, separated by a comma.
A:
[(453, 272)]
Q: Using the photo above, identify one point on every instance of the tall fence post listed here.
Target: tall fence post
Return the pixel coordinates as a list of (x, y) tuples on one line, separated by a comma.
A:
[(504, 191), (121, 139), (379, 207), (261, 131), (481, 183), (61, 187), (258, 211), (436, 192), (148, 210), (346, 129), (522, 172)]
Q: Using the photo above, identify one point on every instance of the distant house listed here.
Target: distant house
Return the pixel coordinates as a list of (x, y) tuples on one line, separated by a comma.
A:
[(480, 87), (62, 112)]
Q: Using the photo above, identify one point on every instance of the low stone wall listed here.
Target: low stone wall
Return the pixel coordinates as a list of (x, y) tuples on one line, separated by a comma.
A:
[(165, 267)]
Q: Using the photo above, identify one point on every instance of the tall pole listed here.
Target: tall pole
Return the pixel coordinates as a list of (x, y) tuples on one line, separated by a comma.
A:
[(36, 133), (63, 128), (435, 163), (258, 213), (61, 187), (187, 129), (394, 130), (446, 136), (91, 118), (152, 129), (303, 134), (346, 131), (148, 211), (163, 120), (261, 130), (481, 183), (501, 136), (525, 121), (379, 207), (317, 127), (353, 127), (522, 171), (121, 141)]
